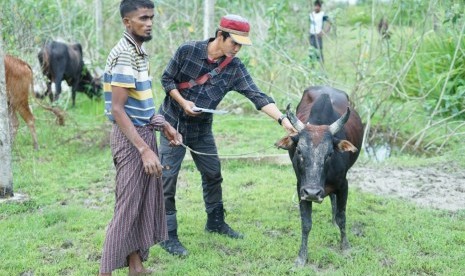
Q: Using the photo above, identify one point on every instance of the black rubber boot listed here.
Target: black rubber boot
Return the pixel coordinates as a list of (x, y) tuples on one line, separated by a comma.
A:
[(216, 224), (173, 245)]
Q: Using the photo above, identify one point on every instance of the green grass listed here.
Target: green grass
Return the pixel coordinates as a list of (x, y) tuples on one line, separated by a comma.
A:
[(60, 229)]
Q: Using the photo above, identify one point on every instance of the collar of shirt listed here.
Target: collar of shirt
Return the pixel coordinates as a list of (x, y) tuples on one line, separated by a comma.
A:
[(131, 40)]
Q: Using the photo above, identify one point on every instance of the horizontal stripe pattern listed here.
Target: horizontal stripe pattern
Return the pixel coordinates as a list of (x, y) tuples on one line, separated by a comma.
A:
[(127, 67)]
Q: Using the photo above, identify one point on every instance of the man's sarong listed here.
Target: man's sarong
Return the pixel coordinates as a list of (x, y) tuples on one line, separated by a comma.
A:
[(139, 216)]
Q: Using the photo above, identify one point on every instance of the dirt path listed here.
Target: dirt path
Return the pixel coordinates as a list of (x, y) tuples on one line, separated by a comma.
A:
[(437, 186)]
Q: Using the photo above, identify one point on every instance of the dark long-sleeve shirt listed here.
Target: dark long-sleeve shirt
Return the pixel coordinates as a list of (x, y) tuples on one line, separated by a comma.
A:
[(190, 62)]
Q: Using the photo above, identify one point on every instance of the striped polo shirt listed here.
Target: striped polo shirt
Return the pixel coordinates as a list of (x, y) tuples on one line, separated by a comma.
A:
[(128, 66)]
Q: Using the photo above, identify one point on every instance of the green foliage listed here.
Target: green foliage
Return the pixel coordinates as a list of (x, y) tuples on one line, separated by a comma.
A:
[(371, 70), (26, 23), (410, 12), (356, 16), (277, 14), (440, 63)]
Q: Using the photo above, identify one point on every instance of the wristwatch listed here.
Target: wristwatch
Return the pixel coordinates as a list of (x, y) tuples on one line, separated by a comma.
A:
[(281, 118)]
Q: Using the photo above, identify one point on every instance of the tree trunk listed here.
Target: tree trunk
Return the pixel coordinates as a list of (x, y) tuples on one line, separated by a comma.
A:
[(208, 17), (98, 25), (6, 175)]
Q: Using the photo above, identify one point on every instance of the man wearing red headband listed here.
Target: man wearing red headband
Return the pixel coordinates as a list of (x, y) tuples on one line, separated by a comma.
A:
[(199, 75)]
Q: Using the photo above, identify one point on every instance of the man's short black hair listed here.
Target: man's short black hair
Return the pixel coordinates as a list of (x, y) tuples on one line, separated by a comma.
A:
[(223, 34), (318, 3), (127, 6)]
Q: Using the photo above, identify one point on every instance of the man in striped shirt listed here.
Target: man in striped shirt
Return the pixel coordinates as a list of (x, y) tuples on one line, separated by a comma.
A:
[(139, 214), (191, 61)]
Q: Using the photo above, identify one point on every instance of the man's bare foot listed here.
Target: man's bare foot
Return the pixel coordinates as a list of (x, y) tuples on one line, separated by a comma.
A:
[(136, 267)]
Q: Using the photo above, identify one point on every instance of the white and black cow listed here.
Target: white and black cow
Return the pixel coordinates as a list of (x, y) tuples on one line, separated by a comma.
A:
[(322, 152), (61, 61)]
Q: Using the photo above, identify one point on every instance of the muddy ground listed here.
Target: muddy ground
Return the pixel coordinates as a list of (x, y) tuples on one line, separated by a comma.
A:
[(440, 186)]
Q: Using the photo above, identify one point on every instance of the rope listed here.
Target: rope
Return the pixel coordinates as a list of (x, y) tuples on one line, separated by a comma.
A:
[(227, 155), (217, 154)]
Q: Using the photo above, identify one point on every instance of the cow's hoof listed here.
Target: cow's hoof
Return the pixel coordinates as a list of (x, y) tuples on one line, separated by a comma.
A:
[(345, 246), (300, 262)]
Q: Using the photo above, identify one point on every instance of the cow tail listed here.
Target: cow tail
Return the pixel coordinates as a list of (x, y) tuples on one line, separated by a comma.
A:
[(31, 84), (45, 65), (59, 114)]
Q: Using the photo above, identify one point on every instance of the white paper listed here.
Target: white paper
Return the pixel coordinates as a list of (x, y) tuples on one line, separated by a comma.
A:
[(200, 109)]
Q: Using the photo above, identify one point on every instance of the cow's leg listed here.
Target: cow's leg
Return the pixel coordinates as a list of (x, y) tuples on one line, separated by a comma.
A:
[(49, 91), (341, 203), (306, 219), (27, 116), (333, 208), (73, 93), (57, 88), (14, 123)]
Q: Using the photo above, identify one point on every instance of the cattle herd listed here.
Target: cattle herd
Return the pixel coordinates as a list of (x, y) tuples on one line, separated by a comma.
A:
[(325, 147), (59, 61)]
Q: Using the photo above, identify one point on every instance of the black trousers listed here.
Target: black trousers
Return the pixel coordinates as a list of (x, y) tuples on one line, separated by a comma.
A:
[(317, 43), (208, 165)]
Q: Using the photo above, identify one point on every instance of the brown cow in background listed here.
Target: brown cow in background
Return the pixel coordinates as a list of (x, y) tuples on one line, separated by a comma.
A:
[(19, 82)]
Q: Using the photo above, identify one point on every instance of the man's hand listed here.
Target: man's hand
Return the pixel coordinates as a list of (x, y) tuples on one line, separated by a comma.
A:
[(172, 135), (185, 104), (151, 162), (188, 106), (288, 126)]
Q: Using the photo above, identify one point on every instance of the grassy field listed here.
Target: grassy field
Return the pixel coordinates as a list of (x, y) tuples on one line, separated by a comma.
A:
[(69, 184)]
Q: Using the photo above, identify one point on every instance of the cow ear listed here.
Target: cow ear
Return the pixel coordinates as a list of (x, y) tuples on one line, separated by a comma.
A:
[(344, 145), (287, 142)]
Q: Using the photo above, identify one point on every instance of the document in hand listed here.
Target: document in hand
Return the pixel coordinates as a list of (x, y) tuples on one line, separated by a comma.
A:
[(199, 109)]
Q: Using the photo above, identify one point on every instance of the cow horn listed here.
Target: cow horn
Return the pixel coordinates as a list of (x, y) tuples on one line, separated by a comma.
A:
[(296, 123), (337, 126)]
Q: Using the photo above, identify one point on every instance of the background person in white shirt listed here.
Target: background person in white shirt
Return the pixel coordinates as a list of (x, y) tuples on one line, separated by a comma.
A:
[(319, 25)]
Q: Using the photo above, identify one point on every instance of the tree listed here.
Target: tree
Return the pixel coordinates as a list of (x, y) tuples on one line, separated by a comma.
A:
[(208, 17), (6, 175), (98, 25)]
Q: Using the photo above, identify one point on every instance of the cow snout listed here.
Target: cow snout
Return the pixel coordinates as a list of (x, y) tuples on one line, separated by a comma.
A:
[(312, 194)]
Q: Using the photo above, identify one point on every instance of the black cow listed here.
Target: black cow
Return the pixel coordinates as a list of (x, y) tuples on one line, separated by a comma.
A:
[(321, 153), (60, 61)]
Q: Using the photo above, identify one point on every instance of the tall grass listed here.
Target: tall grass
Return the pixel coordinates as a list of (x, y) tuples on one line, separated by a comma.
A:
[(381, 76)]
